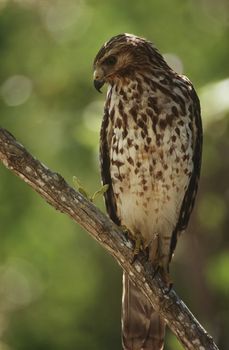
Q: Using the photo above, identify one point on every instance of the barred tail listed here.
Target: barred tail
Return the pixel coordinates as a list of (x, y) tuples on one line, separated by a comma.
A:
[(142, 327)]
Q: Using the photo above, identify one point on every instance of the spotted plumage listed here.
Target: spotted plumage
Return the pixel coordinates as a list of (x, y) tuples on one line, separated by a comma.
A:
[(150, 151)]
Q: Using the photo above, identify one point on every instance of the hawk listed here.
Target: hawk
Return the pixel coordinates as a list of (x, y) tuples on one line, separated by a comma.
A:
[(150, 154)]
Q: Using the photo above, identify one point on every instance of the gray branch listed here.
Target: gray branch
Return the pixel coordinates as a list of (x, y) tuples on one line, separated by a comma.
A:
[(54, 189)]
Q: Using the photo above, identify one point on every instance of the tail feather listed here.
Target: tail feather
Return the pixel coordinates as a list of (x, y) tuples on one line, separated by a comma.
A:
[(142, 327)]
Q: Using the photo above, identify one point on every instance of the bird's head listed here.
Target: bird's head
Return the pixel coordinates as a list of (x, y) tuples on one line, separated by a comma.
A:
[(121, 57)]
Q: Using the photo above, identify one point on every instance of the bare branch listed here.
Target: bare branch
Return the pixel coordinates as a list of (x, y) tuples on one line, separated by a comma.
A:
[(54, 189)]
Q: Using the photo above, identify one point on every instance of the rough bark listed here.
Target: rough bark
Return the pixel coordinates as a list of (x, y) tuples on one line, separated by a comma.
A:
[(54, 189)]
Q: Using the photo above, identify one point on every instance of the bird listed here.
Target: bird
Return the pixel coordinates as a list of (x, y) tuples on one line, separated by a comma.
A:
[(150, 157)]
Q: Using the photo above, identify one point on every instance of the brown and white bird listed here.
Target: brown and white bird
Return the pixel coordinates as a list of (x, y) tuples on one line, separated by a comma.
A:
[(150, 152)]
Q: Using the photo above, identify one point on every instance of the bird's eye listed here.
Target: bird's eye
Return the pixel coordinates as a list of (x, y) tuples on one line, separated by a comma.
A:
[(110, 61)]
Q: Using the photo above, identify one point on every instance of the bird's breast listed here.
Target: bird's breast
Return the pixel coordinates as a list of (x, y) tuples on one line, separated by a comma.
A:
[(150, 163)]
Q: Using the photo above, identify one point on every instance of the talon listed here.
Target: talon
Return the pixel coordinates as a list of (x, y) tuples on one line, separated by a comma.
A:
[(166, 278), (170, 287), (126, 231), (160, 262), (136, 239), (138, 246), (156, 270)]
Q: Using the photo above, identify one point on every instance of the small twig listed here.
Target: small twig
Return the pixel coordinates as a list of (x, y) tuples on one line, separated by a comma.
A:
[(53, 188)]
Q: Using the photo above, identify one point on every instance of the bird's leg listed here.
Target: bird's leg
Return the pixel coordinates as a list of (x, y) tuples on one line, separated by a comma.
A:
[(160, 260), (136, 238), (139, 246), (82, 190), (126, 231), (154, 248), (164, 271)]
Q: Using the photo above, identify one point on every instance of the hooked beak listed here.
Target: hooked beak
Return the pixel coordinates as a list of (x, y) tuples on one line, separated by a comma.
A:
[(98, 84), (98, 77)]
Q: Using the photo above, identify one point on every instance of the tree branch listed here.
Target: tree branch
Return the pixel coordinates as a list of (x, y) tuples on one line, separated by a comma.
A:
[(54, 189)]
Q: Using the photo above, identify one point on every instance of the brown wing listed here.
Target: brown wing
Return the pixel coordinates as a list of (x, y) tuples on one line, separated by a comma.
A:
[(105, 166), (190, 195)]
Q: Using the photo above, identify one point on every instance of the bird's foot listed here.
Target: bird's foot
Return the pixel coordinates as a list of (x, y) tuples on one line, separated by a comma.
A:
[(136, 239), (139, 245), (163, 270), (166, 278), (126, 231), (160, 261), (81, 189)]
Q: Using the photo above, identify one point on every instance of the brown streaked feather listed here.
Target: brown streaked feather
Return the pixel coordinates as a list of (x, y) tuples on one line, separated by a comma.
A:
[(146, 327), (105, 168), (150, 153), (191, 192)]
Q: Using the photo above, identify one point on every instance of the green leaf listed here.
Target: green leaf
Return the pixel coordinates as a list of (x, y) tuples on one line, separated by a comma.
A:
[(100, 192), (77, 183)]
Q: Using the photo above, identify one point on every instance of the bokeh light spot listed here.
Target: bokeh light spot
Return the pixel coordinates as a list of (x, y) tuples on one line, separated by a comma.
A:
[(2, 5), (87, 134), (217, 11), (16, 90), (4, 346), (214, 100), (92, 115), (174, 62), (66, 20), (20, 284)]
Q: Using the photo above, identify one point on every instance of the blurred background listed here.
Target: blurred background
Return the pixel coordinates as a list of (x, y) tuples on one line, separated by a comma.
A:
[(58, 288)]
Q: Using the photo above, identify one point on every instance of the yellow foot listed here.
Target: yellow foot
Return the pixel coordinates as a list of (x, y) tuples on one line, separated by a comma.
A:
[(82, 190), (139, 245), (126, 231), (136, 239)]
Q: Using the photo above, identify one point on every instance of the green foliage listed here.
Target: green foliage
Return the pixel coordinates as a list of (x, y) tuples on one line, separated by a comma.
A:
[(99, 193), (58, 288)]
